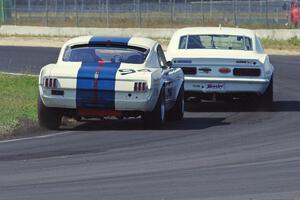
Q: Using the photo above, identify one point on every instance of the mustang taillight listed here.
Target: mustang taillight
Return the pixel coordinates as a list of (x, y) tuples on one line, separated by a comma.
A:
[(50, 83), (140, 86)]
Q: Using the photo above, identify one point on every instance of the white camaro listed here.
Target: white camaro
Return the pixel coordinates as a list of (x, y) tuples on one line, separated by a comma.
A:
[(222, 63), (97, 77)]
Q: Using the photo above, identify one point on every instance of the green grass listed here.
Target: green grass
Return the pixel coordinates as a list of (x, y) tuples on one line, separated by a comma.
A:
[(18, 101), (290, 44)]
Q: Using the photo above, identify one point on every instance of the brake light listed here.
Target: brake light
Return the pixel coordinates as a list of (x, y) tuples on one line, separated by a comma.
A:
[(189, 70), (246, 72), (50, 83), (140, 86)]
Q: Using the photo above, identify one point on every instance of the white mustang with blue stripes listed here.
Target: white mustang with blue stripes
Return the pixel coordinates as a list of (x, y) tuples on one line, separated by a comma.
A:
[(97, 77)]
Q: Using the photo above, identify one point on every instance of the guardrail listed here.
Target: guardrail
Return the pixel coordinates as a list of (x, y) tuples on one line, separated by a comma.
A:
[(9, 30)]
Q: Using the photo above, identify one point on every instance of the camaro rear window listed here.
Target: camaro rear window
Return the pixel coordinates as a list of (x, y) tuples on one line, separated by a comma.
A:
[(231, 42), (113, 54)]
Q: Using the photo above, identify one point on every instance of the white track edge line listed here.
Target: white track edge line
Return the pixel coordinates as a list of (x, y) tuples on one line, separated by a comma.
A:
[(36, 137), (18, 74)]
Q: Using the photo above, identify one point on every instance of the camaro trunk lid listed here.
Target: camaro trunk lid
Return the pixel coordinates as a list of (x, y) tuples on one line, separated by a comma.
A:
[(219, 63)]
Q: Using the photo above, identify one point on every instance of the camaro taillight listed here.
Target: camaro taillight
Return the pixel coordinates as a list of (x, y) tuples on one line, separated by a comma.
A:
[(50, 83), (246, 72), (140, 86), (189, 70)]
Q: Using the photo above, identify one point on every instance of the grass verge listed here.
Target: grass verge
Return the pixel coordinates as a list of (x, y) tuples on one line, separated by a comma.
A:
[(18, 102), (290, 44)]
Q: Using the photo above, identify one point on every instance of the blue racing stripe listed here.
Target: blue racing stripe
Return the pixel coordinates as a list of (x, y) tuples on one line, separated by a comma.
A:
[(96, 81), (96, 92), (107, 40)]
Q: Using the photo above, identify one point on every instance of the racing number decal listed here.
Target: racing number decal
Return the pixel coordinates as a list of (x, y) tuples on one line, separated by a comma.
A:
[(131, 71), (126, 71), (144, 70)]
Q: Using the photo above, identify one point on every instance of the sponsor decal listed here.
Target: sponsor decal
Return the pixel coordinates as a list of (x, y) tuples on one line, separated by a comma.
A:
[(210, 86), (214, 86)]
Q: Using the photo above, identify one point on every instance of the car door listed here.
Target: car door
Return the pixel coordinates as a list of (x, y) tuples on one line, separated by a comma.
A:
[(169, 77)]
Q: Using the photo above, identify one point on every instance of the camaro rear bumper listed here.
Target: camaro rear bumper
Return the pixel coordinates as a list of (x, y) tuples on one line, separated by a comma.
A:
[(225, 84)]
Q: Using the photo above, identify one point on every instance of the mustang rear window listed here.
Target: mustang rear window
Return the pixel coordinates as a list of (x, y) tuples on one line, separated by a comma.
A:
[(113, 54), (224, 42)]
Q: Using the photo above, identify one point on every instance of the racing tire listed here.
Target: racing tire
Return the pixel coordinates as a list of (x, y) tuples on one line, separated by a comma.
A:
[(177, 112), (156, 117), (266, 99), (49, 118), (259, 102)]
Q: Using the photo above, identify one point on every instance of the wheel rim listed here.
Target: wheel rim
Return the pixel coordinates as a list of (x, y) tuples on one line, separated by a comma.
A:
[(182, 107), (162, 112)]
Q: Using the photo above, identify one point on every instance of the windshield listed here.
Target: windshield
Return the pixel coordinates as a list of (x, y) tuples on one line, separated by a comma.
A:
[(215, 42), (89, 54)]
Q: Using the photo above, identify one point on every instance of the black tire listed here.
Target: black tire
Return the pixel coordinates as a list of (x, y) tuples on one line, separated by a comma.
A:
[(155, 118), (177, 112), (49, 118), (266, 99), (260, 102)]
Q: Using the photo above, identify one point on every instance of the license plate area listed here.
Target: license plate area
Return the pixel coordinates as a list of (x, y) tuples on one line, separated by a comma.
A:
[(210, 87)]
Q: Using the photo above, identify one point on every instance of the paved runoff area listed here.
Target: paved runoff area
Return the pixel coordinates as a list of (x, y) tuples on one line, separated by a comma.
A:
[(219, 151)]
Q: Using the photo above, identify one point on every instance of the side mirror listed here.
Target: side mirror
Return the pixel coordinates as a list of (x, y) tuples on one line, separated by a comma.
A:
[(169, 64)]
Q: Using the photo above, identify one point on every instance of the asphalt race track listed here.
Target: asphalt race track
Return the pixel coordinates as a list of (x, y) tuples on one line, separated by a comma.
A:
[(218, 152)]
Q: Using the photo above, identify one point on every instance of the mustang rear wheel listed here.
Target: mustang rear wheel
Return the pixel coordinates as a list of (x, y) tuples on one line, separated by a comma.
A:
[(49, 118), (156, 118), (177, 112)]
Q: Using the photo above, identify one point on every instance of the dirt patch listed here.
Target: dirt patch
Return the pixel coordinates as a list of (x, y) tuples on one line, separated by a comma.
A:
[(26, 128), (33, 41), (22, 129)]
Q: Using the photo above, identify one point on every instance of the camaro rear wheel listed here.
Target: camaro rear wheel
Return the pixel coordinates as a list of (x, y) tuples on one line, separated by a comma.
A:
[(156, 118), (266, 98), (48, 117), (262, 101), (177, 112)]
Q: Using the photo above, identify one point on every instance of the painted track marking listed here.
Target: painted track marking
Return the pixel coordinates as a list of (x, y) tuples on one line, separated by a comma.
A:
[(36, 137)]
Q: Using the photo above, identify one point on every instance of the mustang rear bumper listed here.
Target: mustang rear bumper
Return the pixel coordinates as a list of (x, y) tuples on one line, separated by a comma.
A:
[(123, 101), (225, 84)]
